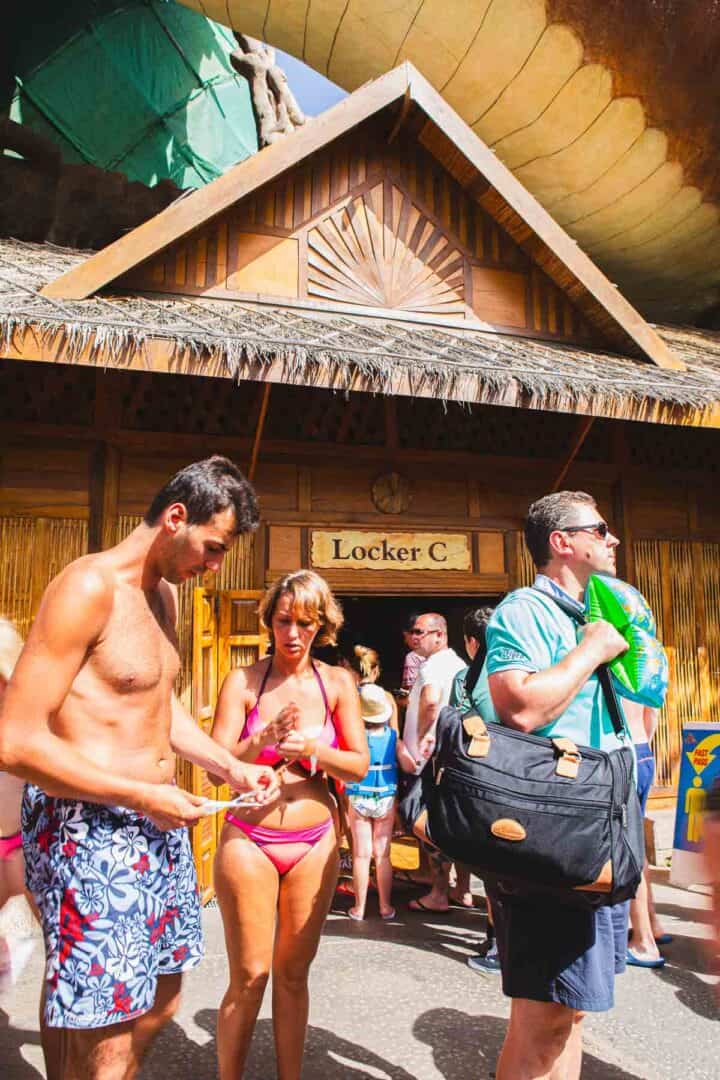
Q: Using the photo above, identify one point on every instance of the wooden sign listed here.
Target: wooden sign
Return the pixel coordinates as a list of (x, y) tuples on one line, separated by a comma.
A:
[(353, 549)]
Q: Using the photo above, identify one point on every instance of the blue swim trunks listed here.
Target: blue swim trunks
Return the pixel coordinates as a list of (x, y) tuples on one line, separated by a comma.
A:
[(549, 952), (119, 906)]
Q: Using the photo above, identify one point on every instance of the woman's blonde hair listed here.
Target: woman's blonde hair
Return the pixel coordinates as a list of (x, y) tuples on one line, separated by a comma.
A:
[(311, 597), (365, 661), (10, 648)]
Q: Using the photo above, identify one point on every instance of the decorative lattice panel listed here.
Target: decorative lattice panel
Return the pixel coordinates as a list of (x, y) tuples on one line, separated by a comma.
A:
[(46, 393)]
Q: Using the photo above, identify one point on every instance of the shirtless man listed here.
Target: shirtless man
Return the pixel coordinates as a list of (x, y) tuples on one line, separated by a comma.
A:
[(90, 720)]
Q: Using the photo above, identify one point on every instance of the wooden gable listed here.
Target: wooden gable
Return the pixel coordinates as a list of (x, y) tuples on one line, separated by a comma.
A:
[(370, 226)]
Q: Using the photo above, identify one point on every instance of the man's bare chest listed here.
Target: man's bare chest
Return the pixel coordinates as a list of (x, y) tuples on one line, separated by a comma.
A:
[(138, 649)]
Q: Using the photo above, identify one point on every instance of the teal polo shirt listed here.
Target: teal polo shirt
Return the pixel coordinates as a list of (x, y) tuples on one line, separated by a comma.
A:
[(529, 632), (479, 701)]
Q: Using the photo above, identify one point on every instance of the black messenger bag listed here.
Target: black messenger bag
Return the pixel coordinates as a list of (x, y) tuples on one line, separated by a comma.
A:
[(534, 815)]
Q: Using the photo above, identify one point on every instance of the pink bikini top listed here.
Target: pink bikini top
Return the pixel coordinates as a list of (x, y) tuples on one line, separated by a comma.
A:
[(269, 755)]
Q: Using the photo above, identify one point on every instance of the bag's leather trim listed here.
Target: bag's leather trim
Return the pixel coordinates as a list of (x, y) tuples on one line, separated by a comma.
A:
[(474, 726), (569, 760), (602, 883), (508, 829)]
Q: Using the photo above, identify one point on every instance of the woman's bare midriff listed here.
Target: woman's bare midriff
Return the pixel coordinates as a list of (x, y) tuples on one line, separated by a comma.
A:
[(304, 801)]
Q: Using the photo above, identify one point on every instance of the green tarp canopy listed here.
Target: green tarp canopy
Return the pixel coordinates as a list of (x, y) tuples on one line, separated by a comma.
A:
[(144, 87)]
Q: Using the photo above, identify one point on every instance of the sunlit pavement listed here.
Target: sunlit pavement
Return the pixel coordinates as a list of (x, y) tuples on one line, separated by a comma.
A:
[(396, 1001)]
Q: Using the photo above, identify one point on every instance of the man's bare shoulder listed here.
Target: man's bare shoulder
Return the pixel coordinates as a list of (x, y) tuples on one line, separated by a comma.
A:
[(88, 584)]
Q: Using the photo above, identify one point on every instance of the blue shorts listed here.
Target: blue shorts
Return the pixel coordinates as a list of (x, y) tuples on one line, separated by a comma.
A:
[(551, 952), (645, 772), (119, 906)]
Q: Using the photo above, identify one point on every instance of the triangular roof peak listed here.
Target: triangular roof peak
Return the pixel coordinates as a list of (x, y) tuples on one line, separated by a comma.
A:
[(414, 103)]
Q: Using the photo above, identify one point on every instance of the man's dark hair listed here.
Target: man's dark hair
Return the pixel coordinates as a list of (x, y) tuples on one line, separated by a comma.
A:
[(475, 622), (552, 512), (474, 626), (206, 488)]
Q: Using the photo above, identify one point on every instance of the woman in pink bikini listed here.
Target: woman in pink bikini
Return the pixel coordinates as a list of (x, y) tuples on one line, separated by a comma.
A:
[(276, 867), (12, 863)]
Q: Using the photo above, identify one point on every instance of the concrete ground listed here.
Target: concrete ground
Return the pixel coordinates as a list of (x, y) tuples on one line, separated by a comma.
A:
[(396, 1001)]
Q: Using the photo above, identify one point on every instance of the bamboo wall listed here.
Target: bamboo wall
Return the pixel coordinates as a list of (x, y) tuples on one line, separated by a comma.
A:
[(681, 581), (32, 551)]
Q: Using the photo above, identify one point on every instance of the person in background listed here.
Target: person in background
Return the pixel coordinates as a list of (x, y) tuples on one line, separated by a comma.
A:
[(15, 952), (372, 800), (470, 693), (413, 659), (430, 692), (646, 933)]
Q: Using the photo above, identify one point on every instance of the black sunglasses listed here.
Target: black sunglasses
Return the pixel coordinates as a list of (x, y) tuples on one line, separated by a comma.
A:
[(601, 528)]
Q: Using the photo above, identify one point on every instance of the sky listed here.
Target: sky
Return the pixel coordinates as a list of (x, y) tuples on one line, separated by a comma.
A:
[(313, 91)]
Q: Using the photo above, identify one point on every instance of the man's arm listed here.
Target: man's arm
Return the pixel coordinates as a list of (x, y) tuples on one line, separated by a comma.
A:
[(428, 710), (529, 700), (71, 619)]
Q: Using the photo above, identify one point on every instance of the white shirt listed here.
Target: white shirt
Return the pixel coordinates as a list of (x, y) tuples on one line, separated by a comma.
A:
[(439, 670)]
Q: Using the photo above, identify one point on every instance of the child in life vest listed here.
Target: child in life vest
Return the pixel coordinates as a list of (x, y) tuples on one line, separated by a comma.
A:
[(372, 802)]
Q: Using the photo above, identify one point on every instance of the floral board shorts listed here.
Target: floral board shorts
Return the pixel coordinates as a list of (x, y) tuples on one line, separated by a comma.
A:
[(119, 906)]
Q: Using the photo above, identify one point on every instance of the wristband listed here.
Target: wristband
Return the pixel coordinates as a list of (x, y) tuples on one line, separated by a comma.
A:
[(311, 752)]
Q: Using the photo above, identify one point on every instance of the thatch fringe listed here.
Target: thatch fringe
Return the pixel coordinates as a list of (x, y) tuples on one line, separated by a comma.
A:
[(380, 355)]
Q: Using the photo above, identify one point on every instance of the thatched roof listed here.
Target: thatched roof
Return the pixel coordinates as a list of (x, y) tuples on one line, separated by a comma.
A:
[(298, 345)]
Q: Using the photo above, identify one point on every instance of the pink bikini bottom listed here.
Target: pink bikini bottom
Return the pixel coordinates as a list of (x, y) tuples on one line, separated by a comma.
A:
[(283, 849), (8, 844)]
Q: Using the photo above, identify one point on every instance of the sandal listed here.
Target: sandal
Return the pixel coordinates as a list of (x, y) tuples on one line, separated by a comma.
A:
[(417, 905)]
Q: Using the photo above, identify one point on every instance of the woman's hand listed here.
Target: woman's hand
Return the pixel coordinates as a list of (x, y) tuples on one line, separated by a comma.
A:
[(297, 745), (286, 721)]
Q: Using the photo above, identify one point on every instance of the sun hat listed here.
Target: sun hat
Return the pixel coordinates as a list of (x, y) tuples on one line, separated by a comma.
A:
[(375, 707)]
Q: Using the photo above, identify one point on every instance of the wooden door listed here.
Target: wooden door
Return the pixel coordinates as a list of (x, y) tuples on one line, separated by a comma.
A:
[(204, 697), (226, 634)]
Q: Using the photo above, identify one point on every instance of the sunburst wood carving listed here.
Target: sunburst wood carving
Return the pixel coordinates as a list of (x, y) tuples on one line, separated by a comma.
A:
[(381, 250)]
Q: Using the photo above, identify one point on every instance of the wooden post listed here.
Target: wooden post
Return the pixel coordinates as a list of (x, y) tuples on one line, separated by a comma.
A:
[(582, 433), (103, 479), (264, 401)]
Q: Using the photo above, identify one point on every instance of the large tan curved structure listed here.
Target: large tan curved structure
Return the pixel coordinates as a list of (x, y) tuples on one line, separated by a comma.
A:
[(594, 106)]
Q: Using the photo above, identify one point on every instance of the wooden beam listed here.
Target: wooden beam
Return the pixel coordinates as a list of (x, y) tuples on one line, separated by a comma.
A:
[(582, 433), (402, 116), (264, 401), (103, 486)]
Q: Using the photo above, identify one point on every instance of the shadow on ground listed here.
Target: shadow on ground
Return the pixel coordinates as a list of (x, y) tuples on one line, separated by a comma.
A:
[(12, 1040), (327, 1056), (468, 1046), (462, 1046)]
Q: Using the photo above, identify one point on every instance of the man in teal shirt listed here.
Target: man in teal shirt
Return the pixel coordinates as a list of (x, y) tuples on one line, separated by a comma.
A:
[(557, 962)]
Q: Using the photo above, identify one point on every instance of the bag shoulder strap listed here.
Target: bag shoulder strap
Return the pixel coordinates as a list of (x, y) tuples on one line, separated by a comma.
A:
[(603, 672)]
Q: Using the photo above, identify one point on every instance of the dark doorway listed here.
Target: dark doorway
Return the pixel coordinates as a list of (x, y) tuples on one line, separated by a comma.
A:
[(378, 621)]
